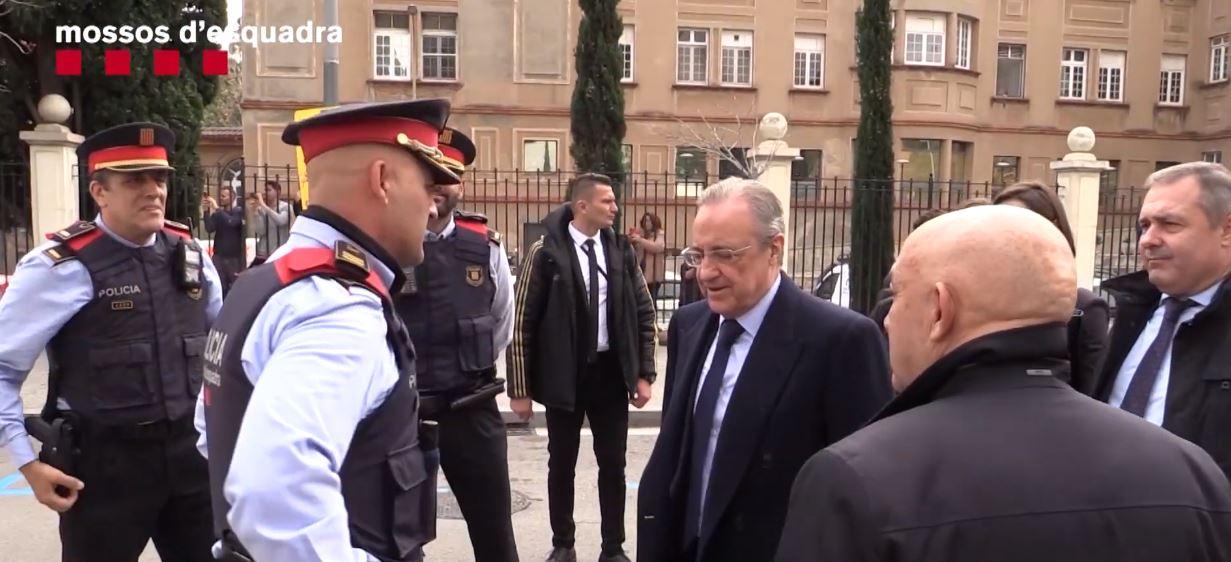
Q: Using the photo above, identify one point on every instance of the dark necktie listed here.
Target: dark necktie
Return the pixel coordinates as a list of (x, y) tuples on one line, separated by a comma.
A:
[(592, 352), (1137, 397), (703, 425)]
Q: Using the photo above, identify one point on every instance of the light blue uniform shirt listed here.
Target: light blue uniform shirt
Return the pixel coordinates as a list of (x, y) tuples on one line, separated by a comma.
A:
[(1157, 407), (502, 300), (319, 363), (41, 298)]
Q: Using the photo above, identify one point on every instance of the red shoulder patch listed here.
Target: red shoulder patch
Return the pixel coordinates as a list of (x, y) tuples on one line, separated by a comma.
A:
[(76, 243), (304, 262), (472, 225), (177, 229)]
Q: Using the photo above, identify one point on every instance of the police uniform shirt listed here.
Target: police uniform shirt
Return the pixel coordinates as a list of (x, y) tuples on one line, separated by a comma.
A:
[(41, 298), (319, 363), (502, 302)]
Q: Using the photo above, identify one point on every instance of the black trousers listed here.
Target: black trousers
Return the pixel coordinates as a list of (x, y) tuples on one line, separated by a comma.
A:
[(137, 488), (474, 457), (602, 398), (229, 268)]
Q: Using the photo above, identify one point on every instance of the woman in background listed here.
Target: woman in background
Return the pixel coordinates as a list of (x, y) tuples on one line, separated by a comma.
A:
[(1088, 332), (651, 247)]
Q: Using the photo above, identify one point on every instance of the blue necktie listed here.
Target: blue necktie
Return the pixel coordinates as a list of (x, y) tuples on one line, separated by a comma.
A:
[(703, 425), (1137, 397)]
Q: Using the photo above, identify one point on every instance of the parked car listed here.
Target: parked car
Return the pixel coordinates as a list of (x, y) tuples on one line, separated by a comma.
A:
[(834, 285)]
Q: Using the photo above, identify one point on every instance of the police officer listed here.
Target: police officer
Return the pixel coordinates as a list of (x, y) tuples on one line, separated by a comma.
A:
[(122, 305), (458, 307), (310, 405)]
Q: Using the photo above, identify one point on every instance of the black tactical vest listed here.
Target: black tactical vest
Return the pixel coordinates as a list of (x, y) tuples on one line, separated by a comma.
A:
[(133, 353), (388, 487), (447, 305)]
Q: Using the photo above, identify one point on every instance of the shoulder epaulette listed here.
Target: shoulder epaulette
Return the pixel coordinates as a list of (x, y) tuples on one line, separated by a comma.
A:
[(72, 231), (464, 215), (178, 229), (493, 237), (60, 253), (350, 258)]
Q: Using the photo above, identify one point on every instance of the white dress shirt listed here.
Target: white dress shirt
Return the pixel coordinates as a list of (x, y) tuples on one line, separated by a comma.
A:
[(751, 322), (1158, 396), (579, 240), (320, 363), (42, 297), (502, 277)]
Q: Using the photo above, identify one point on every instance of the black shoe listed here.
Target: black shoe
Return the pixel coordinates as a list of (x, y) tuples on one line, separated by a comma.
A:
[(617, 556), (562, 554)]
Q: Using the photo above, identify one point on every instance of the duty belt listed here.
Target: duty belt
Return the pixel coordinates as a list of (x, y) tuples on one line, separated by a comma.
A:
[(432, 406)]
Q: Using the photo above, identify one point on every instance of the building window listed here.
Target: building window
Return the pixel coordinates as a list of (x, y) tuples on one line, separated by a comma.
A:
[(391, 44), (924, 160), (1164, 164), (439, 46), (1073, 74), (626, 53), (961, 161), (1011, 71), (806, 171), (540, 155), (727, 169), (692, 49), (925, 39), (1109, 180), (690, 172), (1212, 156), (1171, 81), (1111, 75), (809, 61), (965, 29), (737, 58), (1004, 170), (1220, 58)]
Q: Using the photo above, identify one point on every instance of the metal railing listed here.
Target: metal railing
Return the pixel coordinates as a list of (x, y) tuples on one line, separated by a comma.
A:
[(16, 237)]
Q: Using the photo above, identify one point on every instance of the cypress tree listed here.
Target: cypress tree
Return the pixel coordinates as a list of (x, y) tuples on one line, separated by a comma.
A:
[(597, 122), (872, 208)]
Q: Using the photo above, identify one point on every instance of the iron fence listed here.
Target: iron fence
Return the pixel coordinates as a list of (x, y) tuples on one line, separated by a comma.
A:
[(16, 238)]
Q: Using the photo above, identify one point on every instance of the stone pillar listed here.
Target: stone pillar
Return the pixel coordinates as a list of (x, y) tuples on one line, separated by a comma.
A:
[(1079, 175), (774, 157), (53, 164)]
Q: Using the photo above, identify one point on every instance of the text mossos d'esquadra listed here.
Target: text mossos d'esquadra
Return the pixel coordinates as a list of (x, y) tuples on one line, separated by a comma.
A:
[(192, 32)]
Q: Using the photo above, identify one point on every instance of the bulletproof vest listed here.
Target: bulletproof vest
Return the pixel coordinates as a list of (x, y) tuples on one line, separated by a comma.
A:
[(133, 353), (387, 485), (447, 306)]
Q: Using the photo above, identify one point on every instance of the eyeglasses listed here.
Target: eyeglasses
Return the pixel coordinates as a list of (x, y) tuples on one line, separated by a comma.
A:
[(722, 256)]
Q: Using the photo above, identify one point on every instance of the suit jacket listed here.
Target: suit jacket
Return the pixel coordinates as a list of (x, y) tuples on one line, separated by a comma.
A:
[(1199, 392), (814, 373), (986, 456)]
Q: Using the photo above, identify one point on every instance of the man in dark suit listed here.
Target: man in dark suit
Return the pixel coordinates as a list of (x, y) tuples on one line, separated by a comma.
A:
[(986, 454), (760, 377), (1170, 354), (583, 346)]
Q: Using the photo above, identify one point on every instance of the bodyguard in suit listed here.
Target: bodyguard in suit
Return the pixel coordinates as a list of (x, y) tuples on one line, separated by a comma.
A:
[(1170, 355), (760, 377), (985, 454), (583, 346)]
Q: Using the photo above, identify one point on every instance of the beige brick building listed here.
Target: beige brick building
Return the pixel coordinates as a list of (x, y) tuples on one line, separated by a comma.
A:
[(982, 89)]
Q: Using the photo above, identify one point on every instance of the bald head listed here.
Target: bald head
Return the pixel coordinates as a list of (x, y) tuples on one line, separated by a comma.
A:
[(971, 273), (381, 189)]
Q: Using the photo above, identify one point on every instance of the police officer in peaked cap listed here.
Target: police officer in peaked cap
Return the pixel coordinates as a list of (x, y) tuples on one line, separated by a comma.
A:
[(310, 406), (122, 305), (458, 306)]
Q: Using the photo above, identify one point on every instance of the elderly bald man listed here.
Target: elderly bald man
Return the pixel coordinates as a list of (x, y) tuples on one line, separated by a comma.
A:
[(985, 455)]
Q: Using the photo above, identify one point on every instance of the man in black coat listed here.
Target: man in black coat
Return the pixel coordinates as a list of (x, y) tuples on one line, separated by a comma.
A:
[(760, 376), (986, 454), (583, 346), (1170, 354)]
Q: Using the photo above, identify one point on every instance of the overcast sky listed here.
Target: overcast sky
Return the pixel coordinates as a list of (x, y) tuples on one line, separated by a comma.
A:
[(235, 8)]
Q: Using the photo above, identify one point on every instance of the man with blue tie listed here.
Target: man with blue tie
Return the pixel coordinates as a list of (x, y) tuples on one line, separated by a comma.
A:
[(760, 376), (310, 405), (1170, 357), (121, 304)]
